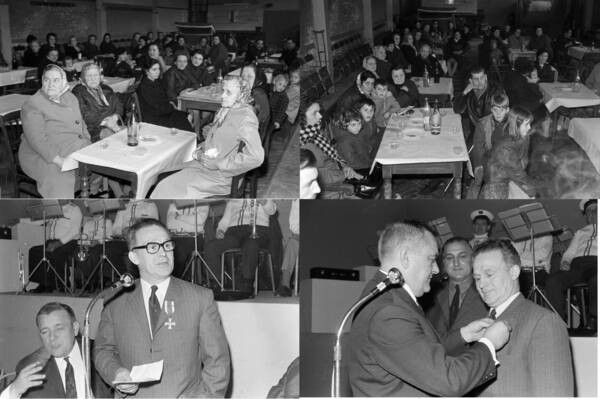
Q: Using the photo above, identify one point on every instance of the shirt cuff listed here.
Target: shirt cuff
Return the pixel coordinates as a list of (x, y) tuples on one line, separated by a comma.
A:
[(490, 346)]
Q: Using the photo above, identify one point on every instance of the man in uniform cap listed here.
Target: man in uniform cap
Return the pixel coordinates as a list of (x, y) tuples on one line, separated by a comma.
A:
[(482, 224)]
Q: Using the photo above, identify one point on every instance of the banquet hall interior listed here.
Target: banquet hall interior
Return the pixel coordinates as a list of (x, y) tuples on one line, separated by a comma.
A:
[(178, 115), (525, 71)]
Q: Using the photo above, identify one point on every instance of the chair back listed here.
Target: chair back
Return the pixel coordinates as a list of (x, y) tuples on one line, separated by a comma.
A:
[(8, 169), (238, 183)]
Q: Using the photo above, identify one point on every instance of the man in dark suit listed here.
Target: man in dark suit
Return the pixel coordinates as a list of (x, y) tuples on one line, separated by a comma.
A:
[(162, 318), (59, 360), (537, 359), (457, 302), (394, 350)]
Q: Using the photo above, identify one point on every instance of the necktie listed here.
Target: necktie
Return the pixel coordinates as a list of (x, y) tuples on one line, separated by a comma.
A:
[(154, 307), (455, 305), (492, 314), (70, 388)]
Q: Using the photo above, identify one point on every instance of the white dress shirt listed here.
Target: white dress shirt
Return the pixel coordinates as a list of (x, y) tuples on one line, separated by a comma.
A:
[(543, 252), (584, 243), (504, 305), (182, 220), (78, 370), (135, 209), (66, 228), (240, 212), (161, 291)]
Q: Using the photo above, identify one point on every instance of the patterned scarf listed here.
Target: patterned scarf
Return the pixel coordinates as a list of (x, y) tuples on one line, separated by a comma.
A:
[(312, 134)]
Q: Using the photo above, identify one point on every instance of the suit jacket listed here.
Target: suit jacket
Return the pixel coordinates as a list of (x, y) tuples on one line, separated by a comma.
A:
[(395, 351), (195, 350), (471, 309), (536, 361), (53, 386)]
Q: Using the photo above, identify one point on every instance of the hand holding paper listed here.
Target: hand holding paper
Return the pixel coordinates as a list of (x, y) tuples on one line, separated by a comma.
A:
[(127, 382)]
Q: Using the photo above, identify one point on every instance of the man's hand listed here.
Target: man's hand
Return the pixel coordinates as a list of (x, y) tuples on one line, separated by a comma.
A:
[(123, 375), (468, 89), (51, 245), (475, 330), (28, 377), (220, 234), (498, 334), (565, 266)]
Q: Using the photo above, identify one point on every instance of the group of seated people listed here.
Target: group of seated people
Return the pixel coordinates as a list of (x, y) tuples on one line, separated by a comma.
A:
[(250, 225), (58, 121), (499, 113)]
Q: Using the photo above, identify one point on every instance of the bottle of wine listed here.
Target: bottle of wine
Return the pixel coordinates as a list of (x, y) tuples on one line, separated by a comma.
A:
[(436, 119), (426, 77), (436, 71), (426, 114), (132, 128)]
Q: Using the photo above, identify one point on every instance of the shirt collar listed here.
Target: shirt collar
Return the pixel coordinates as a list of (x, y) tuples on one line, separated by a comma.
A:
[(504, 305), (74, 354), (161, 287), (410, 292)]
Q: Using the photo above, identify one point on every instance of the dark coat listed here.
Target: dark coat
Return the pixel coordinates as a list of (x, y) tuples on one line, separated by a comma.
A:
[(473, 107), (545, 73), (90, 51), (354, 148), (410, 53), (53, 386), (261, 104), (31, 59), (108, 48), (279, 103), (176, 80), (218, 55), (404, 98), (123, 70), (93, 113), (395, 351), (156, 108), (419, 65), (396, 57), (487, 134), (200, 75)]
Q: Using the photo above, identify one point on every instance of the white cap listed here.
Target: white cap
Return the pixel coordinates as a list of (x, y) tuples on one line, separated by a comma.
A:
[(583, 202), (482, 212)]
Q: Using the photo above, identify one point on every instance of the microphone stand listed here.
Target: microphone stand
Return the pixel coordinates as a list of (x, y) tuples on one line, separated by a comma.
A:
[(125, 281), (394, 277)]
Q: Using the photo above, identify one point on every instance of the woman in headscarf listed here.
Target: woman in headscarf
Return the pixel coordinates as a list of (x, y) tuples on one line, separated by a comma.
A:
[(370, 64), (107, 46), (333, 169), (365, 83), (154, 102), (256, 81), (99, 104), (53, 128), (219, 158), (404, 90)]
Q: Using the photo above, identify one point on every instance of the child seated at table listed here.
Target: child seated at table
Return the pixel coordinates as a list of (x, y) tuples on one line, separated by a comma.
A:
[(385, 103), (369, 130), (293, 94), (70, 70), (278, 101), (351, 145)]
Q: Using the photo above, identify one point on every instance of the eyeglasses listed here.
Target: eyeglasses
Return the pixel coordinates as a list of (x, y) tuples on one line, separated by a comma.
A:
[(153, 247)]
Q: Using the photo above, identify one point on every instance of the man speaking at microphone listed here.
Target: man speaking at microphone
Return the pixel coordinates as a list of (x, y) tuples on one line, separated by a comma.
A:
[(162, 318), (394, 350)]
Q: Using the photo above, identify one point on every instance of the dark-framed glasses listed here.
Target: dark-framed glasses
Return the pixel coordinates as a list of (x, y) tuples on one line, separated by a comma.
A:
[(154, 247)]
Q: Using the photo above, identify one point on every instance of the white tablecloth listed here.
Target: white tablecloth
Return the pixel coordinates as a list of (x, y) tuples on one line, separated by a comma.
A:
[(12, 102), (147, 160), (579, 51), (412, 145), (586, 133), (210, 93), (14, 77), (514, 53), (444, 87), (562, 95), (119, 85)]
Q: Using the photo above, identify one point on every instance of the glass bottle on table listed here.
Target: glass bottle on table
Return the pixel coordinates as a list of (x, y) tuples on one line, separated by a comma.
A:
[(436, 119), (426, 77), (577, 82), (426, 114), (436, 71), (132, 128)]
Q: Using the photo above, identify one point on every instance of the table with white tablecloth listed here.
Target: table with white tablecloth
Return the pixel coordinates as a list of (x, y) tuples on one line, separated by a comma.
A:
[(586, 133), (160, 149), (12, 102), (406, 148), (566, 95), (579, 52), (14, 76), (514, 53)]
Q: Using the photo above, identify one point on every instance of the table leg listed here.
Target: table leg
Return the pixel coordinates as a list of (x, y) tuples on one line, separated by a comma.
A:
[(387, 182), (458, 167), (85, 180)]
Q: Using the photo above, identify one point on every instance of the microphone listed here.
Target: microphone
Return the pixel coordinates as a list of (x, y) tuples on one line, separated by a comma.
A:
[(393, 277), (125, 281)]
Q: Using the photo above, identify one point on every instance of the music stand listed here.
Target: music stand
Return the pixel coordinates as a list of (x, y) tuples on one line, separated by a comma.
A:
[(46, 209), (96, 207), (195, 256), (442, 228), (528, 222)]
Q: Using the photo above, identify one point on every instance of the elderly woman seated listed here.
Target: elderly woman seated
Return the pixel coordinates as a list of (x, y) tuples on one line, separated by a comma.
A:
[(99, 104), (154, 102), (178, 77), (53, 128), (221, 156)]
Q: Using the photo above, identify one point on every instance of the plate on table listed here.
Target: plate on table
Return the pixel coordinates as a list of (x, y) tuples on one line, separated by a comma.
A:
[(412, 133), (415, 122)]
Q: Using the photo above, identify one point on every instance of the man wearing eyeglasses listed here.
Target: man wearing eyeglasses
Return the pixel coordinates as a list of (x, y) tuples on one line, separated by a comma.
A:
[(162, 318), (457, 302)]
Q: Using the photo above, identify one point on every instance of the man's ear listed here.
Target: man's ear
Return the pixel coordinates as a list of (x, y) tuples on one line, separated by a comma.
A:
[(133, 257), (403, 257), (76, 328), (515, 271)]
